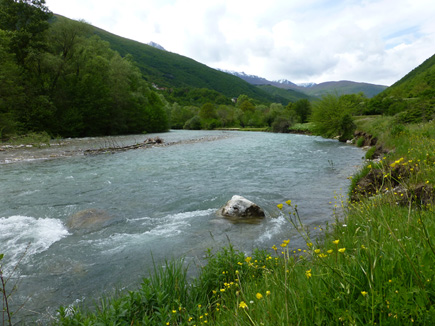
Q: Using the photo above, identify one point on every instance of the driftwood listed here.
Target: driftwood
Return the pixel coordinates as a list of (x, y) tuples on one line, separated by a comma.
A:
[(149, 142)]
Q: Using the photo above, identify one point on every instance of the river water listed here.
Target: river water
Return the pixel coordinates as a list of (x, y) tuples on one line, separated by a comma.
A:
[(162, 201)]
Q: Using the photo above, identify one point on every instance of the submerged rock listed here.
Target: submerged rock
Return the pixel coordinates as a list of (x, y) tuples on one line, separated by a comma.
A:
[(88, 220), (240, 208)]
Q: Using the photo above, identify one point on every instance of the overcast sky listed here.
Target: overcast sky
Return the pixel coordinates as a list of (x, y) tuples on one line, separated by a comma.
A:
[(374, 41)]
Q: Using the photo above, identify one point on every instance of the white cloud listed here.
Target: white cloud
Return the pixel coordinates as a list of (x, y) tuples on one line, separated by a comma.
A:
[(375, 41)]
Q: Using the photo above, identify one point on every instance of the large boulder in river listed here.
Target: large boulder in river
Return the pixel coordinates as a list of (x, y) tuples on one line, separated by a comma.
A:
[(240, 208), (88, 220)]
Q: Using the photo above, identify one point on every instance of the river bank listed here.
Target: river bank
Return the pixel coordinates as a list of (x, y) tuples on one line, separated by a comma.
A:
[(162, 204), (373, 266), (71, 147)]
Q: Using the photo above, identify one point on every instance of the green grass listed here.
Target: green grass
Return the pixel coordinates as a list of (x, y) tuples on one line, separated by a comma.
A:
[(33, 138), (308, 127)]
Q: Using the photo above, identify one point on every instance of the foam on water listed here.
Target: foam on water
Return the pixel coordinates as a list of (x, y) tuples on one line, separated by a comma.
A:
[(153, 228), (24, 235)]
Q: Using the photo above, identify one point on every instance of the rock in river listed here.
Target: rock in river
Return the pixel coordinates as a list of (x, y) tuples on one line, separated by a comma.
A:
[(88, 220), (240, 208)]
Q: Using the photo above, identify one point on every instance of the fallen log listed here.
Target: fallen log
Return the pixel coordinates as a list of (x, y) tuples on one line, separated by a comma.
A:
[(149, 142)]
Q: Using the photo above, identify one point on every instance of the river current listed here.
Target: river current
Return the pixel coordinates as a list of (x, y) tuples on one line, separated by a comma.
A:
[(162, 201)]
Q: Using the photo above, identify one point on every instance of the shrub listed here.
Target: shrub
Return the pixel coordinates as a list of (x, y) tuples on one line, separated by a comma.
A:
[(193, 123), (360, 142), (370, 153)]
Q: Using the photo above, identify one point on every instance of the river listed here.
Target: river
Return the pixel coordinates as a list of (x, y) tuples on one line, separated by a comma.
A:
[(162, 201)]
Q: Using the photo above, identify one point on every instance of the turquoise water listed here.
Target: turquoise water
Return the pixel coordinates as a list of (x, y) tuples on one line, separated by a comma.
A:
[(162, 202)]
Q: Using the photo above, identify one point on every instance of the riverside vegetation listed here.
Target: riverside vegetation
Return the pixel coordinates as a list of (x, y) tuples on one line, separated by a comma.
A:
[(373, 265)]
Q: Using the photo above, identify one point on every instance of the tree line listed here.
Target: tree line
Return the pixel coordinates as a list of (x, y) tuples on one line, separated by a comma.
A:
[(58, 78)]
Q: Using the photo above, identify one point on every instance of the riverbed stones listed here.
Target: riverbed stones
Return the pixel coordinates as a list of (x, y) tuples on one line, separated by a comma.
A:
[(240, 208), (88, 220)]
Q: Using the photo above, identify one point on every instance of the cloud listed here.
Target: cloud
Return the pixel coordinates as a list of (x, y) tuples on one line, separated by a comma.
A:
[(375, 41)]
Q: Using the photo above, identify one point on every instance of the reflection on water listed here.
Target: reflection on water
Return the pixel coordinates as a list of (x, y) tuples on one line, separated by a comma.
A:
[(162, 202)]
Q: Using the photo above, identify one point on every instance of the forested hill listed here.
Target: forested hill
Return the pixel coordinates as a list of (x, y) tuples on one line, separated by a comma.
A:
[(171, 70), (418, 82), (412, 98)]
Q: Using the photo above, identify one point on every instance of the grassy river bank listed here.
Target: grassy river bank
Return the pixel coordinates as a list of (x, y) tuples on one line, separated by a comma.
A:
[(374, 266)]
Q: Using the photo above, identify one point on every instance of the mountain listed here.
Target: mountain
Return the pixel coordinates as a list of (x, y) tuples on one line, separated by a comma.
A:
[(313, 89), (170, 70), (290, 94), (251, 79), (417, 83), (157, 46), (343, 87), (285, 82), (412, 98), (306, 84)]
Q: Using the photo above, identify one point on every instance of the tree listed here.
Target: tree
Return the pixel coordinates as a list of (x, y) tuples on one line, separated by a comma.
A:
[(332, 117), (11, 90), (302, 108), (27, 21)]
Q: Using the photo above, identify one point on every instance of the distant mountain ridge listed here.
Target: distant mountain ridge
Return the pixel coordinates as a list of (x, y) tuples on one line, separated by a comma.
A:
[(312, 89)]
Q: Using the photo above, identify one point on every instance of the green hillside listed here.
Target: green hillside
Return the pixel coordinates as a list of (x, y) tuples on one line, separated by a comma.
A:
[(171, 70), (419, 82), (289, 94), (412, 98), (343, 87)]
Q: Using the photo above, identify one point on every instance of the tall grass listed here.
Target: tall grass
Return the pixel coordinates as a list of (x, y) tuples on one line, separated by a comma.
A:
[(374, 265)]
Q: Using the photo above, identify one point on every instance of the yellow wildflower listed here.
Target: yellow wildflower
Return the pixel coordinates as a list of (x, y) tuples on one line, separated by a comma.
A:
[(248, 259), (364, 293), (274, 248), (330, 251), (259, 296), (280, 206), (267, 293), (342, 250), (308, 273), (317, 251), (289, 202), (336, 242), (243, 305)]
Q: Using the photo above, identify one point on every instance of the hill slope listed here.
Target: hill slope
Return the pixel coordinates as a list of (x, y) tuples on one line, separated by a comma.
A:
[(342, 87), (170, 70), (412, 98), (290, 94), (418, 82)]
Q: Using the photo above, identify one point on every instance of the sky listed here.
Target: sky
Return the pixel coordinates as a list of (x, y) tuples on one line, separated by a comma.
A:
[(373, 41)]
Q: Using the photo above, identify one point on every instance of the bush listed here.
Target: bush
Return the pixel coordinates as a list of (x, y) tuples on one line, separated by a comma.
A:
[(193, 123), (360, 142), (370, 153), (281, 124), (332, 117)]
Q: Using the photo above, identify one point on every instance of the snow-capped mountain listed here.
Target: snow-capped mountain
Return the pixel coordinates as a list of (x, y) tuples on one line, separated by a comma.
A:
[(306, 84), (252, 79), (313, 89), (157, 46), (284, 82)]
